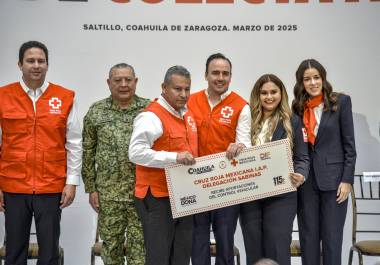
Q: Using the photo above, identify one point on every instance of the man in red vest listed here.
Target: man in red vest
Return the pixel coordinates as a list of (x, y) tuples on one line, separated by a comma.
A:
[(224, 121), (165, 133), (40, 163)]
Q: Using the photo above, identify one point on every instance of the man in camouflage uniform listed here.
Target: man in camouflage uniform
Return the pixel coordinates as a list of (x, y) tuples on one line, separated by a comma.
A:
[(108, 175)]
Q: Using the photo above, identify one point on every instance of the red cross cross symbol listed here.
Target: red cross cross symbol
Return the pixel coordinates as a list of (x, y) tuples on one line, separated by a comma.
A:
[(234, 162), (55, 103), (227, 112), (190, 121)]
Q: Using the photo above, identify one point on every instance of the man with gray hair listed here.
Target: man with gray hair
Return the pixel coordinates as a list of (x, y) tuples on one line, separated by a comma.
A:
[(163, 134), (108, 175)]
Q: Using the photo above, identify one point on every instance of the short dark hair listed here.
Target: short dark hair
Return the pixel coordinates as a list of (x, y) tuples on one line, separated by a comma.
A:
[(176, 70), (119, 66), (32, 44), (217, 56)]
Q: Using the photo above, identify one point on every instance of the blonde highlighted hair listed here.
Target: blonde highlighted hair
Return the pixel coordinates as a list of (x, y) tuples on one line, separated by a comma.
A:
[(282, 113)]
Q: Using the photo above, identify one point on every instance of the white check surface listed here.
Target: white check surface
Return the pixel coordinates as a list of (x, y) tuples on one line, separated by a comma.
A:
[(215, 182)]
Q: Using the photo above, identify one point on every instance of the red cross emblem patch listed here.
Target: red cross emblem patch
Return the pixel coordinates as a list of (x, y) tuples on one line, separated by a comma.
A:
[(55, 105), (304, 133), (191, 123), (227, 112)]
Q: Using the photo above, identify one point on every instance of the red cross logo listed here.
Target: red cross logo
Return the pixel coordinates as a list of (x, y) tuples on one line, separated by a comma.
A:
[(304, 132), (55, 103), (227, 112), (191, 122), (234, 162)]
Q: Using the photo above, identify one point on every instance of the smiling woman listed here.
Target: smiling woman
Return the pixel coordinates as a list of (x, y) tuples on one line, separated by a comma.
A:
[(322, 201), (270, 97), (267, 223)]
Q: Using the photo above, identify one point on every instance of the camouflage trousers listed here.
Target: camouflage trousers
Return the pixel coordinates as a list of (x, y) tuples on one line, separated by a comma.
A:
[(118, 221)]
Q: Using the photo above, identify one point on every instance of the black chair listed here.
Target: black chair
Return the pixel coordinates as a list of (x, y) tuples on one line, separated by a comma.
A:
[(295, 247), (365, 197)]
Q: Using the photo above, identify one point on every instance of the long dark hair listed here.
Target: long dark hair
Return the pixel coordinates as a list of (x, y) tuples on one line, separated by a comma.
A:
[(330, 98)]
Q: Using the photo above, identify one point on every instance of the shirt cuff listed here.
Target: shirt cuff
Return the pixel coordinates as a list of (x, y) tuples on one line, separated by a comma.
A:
[(72, 180), (172, 157)]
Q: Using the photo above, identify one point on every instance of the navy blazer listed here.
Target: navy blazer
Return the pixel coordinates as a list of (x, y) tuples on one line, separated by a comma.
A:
[(333, 155), (301, 159)]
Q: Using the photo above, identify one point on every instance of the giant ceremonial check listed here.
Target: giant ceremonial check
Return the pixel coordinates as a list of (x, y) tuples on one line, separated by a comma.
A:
[(215, 182)]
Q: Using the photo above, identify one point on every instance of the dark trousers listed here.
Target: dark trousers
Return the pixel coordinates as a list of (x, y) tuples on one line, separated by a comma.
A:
[(224, 222), (320, 219), (19, 212), (267, 226), (167, 240)]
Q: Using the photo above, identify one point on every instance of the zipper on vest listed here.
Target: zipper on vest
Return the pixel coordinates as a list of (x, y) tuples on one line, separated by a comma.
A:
[(35, 153)]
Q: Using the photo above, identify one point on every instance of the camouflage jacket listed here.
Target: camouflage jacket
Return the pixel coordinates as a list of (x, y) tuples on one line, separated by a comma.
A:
[(107, 131)]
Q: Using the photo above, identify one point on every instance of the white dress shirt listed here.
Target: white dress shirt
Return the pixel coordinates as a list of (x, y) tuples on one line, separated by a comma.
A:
[(147, 128), (243, 128), (263, 133), (73, 135), (318, 110)]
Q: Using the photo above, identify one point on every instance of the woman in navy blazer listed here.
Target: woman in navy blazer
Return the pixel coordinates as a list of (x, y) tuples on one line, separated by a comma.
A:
[(267, 223), (322, 200)]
